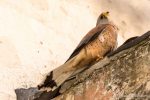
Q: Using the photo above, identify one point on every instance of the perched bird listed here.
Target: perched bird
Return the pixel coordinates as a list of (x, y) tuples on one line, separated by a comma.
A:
[(94, 46)]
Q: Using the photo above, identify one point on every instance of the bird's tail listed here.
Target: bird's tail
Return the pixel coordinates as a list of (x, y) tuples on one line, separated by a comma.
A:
[(63, 72), (57, 76)]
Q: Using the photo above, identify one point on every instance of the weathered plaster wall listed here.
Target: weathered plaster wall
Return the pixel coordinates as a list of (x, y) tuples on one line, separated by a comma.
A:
[(38, 35)]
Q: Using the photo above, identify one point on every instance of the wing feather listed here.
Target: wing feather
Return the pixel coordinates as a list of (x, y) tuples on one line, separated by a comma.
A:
[(91, 35)]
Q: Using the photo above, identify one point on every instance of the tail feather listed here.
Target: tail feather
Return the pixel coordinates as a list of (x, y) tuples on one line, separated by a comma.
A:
[(57, 76)]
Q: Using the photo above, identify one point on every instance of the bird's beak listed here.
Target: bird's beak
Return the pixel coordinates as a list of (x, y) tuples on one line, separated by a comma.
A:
[(106, 14)]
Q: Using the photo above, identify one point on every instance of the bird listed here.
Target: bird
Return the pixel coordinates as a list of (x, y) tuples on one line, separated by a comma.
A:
[(93, 47)]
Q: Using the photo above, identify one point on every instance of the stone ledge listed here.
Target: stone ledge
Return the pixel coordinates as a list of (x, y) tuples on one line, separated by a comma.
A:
[(124, 75)]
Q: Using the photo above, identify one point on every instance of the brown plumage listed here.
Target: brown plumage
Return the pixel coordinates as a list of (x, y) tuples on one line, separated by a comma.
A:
[(93, 47)]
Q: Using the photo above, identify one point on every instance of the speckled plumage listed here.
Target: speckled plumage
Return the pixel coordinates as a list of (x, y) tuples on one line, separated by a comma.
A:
[(93, 47)]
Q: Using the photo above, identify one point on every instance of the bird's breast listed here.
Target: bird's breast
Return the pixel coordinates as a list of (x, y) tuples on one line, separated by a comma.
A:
[(101, 45)]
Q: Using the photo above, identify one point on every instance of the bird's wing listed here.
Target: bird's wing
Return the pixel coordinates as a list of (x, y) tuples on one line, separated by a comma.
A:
[(90, 36)]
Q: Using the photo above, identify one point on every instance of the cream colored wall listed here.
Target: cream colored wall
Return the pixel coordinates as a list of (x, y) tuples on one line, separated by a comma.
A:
[(38, 35)]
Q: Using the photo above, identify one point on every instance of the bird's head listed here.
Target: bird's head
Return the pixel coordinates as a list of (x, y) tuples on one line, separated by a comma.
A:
[(103, 18)]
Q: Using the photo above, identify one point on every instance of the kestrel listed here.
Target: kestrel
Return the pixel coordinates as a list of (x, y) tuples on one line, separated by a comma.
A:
[(94, 46)]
